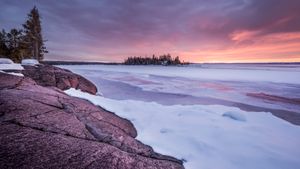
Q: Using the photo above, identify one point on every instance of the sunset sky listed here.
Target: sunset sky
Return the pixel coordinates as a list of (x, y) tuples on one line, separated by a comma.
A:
[(196, 30)]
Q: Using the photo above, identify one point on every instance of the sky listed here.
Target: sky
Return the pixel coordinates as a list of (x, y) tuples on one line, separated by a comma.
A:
[(195, 30)]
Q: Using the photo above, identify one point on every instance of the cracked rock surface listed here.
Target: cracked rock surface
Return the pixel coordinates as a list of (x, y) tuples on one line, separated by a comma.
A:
[(47, 75), (42, 127)]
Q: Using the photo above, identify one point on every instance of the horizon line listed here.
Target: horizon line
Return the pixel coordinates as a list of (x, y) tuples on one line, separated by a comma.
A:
[(110, 62)]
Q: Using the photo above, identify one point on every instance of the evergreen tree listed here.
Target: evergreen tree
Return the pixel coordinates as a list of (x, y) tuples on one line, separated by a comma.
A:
[(3, 43), (33, 35), (177, 60), (165, 59), (14, 44)]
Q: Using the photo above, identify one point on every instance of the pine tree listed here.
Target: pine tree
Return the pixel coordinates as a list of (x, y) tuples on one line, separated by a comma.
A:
[(33, 35), (177, 60), (3, 41), (14, 44), (165, 59)]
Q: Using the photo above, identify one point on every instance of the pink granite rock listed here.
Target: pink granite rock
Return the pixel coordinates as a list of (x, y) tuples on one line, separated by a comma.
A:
[(47, 75), (42, 127)]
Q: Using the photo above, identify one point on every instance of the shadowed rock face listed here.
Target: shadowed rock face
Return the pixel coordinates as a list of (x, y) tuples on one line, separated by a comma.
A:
[(42, 127), (47, 75)]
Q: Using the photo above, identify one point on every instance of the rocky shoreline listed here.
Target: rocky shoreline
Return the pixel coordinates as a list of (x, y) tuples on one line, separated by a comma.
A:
[(42, 127)]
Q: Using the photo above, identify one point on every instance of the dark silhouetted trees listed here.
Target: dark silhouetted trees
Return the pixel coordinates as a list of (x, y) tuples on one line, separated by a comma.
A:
[(18, 44), (11, 44), (14, 44), (33, 35), (3, 43), (165, 59)]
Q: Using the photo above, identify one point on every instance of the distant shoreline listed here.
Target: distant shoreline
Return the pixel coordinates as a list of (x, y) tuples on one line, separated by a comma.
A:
[(79, 63), (116, 63)]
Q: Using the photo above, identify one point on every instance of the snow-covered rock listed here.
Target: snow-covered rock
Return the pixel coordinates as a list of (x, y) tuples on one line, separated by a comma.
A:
[(15, 74), (29, 62), (6, 61), (13, 66), (8, 64)]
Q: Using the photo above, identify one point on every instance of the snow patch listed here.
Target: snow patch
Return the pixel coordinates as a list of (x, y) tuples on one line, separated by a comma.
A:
[(12, 73), (13, 66), (8, 64), (6, 61), (29, 62), (15, 74)]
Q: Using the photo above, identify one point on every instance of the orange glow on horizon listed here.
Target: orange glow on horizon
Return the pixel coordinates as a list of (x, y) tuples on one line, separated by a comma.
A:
[(243, 46), (281, 47)]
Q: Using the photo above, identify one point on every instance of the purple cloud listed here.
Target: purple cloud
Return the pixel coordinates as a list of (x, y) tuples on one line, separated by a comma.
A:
[(111, 30)]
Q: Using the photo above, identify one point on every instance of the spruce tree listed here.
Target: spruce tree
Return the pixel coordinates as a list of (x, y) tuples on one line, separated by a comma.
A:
[(14, 44), (33, 35), (3, 41)]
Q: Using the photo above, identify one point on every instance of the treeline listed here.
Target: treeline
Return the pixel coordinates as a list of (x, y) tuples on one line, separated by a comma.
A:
[(18, 44), (165, 59)]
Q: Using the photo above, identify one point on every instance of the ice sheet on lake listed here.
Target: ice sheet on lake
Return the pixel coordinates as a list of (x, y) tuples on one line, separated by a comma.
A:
[(252, 74), (194, 85)]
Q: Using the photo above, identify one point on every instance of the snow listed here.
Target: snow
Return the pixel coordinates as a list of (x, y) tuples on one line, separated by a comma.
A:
[(6, 61), (7, 64), (12, 73), (13, 66), (15, 74), (210, 136), (29, 62)]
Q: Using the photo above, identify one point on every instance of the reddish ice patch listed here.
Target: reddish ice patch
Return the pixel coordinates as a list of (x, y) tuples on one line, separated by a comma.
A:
[(216, 86), (136, 80), (274, 98)]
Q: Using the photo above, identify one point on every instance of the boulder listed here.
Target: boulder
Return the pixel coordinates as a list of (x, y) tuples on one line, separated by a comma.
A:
[(42, 127), (47, 75)]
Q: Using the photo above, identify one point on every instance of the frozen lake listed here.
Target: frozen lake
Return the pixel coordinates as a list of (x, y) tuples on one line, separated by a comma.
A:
[(243, 86), (211, 115)]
